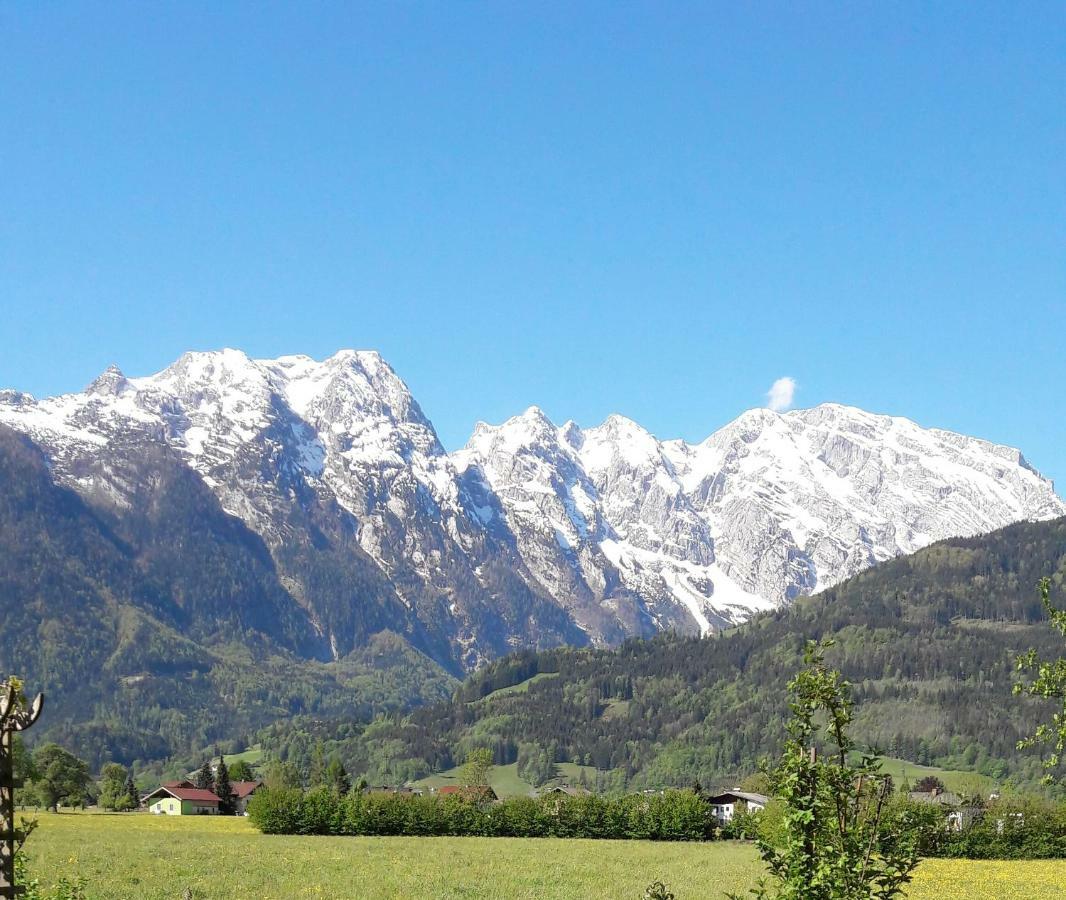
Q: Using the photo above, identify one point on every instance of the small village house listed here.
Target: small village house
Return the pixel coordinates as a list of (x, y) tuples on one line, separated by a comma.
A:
[(242, 793), (960, 813), (482, 794), (181, 798), (725, 806)]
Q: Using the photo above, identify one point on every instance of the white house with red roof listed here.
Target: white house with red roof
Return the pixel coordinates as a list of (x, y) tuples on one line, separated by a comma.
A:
[(181, 798)]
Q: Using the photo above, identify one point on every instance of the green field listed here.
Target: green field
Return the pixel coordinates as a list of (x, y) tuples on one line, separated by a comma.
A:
[(505, 781), (520, 688), (140, 857), (954, 779), (253, 756)]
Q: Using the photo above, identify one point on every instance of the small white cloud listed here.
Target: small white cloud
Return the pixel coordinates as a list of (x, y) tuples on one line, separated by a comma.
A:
[(779, 397)]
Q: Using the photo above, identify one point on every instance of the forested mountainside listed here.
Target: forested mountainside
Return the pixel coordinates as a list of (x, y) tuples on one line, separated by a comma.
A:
[(159, 626), (928, 641), (356, 520), (190, 556)]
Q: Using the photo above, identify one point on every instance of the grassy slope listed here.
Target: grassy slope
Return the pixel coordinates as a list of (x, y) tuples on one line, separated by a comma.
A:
[(253, 756), (954, 779), (504, 779), (521, 688), (142, 857), (506, 783)]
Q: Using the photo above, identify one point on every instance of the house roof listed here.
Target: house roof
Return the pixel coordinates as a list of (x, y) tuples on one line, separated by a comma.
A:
[(178, 790), (733, 796), (242, 789)]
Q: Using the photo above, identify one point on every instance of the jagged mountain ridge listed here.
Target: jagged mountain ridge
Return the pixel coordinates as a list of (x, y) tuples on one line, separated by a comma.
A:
[(532, 534), (769, 507), (334, 466)]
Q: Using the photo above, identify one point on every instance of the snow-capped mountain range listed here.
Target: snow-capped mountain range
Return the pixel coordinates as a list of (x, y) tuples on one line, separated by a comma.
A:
[(534, 533)]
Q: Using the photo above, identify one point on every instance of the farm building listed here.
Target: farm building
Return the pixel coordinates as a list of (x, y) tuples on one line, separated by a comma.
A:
[(242, 793), (960, 813), (726, 805), (181, 798)]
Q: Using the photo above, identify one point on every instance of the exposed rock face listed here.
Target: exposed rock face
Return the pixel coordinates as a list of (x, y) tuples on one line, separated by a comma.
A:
[(532, 533), (767, 508)]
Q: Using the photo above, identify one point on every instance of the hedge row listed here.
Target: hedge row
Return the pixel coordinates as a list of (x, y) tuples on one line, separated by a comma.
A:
[(1029, 829), (1016, 828), (673, 816), (1023, 829)]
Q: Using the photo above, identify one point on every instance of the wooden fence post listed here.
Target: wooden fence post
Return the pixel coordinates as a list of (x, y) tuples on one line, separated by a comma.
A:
[(13, 717)]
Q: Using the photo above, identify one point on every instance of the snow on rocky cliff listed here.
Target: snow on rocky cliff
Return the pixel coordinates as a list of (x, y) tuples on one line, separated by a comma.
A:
[(618, 532), (769, 507)]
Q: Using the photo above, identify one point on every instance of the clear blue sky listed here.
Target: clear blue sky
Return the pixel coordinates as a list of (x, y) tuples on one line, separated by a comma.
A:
[(653, 209)]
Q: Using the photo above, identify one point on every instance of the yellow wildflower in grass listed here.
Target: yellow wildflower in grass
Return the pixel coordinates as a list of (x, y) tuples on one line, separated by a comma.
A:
[(938, 879), (141, 857)]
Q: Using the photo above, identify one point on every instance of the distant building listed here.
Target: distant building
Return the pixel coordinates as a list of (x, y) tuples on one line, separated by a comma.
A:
[(725, 806), (476, 794), (960, 813), (242, 793), (181, 798)]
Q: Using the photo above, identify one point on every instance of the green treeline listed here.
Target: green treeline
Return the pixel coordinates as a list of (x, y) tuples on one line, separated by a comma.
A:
[(1014, 828), (671, 816), (1022, 828)]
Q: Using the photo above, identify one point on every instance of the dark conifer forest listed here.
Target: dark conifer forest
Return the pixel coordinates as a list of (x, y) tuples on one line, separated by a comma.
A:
[(928, 642)]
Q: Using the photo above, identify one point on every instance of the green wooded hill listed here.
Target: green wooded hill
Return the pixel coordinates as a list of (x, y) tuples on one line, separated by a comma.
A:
[(927, 640), (160, 628)]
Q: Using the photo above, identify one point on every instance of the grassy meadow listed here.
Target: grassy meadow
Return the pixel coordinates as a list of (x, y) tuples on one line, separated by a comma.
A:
[(505, 780), (135, 856), (953, 779)]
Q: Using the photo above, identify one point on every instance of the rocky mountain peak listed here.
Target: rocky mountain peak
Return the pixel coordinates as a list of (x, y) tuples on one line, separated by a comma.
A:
[(531, 533), (110, 381)]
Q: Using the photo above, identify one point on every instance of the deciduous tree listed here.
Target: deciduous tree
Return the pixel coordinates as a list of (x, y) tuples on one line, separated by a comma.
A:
[(476, 769), (241, 771), (112, 787), (1048, 681), (282, 776), (61, 776), (928, 784), (832, 845)]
